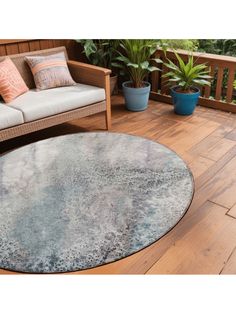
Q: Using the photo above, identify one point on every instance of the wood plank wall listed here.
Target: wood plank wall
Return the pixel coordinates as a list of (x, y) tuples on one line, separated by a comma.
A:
[(13, 46)]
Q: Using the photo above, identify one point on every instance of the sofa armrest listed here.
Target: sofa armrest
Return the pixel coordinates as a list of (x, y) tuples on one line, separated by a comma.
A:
[(88, 74), (93, 75)]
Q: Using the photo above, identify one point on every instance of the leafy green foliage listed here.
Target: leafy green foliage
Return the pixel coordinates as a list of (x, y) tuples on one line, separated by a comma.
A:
[(221, 47), (134, 59), (186, 75), (100, 52), (218, 46), (185, 44)]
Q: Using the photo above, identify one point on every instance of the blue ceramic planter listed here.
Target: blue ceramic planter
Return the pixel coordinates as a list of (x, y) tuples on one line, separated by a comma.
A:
[(184, 104), (136, 99)]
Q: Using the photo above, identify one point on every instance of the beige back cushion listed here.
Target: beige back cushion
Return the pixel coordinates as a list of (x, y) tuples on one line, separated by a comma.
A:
[(23, 67)]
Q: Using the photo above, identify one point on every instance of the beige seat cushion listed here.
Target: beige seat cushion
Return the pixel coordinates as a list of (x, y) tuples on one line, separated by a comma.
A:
[(9, 116), (40, 104)]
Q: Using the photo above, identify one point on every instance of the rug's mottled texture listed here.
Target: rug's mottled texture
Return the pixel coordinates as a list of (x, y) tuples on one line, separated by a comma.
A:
[(78, 201)]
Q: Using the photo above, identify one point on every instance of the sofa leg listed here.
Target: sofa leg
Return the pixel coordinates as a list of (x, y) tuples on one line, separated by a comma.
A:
[(108, 102), (108, 120)]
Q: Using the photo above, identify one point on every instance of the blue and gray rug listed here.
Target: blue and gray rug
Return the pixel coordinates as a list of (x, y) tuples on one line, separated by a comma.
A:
[(83, 200)]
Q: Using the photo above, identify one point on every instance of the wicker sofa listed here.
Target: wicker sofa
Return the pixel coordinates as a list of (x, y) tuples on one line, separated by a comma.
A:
[(34, 110)]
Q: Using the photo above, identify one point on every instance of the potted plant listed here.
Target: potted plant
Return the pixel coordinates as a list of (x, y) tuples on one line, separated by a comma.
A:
[(186, 77), (136, 63), (101, 52)]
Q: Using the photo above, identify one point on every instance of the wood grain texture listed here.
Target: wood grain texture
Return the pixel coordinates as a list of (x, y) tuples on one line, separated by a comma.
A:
[(207, 90), (13, 46), (23, 47), (108, 102), (223, 186), (34, 45), (219, 83), (11, 41), (203, 242), (12, 49), (214, 169), (88, 74), (3, 51), (199, 165), (218, 150), (230, 266), (230, 85), (232, 135)]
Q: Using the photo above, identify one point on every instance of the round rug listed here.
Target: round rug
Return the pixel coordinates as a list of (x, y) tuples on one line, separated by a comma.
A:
[(78, 201)]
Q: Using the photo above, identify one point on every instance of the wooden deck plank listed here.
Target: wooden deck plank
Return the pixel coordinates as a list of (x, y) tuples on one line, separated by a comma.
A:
[(207, 143), (232, 135), (215, 168), (195, 136), (219, 188), (218, 150), (230, 266), (232, 212), (200, 165), (204, 249), (223, 130)]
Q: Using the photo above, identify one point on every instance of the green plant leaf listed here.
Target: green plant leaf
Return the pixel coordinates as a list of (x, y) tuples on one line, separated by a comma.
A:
[(169, 74), (181, 62), (204, 76), (152, 69), (201, 82), (123, 59), (144, 65), (134, 65), (177, 79), (157, 60), (186, 75), (135, 57)]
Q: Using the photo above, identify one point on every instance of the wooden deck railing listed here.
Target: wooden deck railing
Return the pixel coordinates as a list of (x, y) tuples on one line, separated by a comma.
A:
[(14, 46), (221, 93)]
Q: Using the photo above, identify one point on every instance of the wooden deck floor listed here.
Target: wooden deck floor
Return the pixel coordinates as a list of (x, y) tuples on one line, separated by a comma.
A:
[(204, 241)]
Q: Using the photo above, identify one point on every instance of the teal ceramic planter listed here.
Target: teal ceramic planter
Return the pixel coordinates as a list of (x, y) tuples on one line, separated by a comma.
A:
[(136, 99), (184, 104)]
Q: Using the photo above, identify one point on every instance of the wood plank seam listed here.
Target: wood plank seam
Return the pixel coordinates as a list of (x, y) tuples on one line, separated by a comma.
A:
[(229, 214), (221, 167), (227, 260), (219, 205)]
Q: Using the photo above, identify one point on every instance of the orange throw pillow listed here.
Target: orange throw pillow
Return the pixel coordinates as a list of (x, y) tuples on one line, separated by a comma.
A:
[(12, 84)]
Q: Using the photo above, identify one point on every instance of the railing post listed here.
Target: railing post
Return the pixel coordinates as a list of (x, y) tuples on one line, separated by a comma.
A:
[(230, 85)]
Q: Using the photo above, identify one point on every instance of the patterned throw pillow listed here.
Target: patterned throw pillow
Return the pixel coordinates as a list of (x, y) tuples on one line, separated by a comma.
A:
[(12, 84), (50, 71)]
